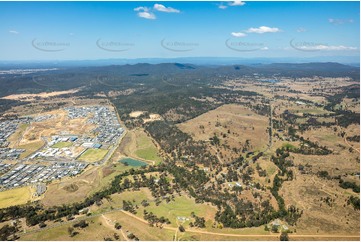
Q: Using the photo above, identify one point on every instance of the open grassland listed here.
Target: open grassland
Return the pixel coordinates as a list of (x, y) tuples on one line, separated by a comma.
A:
[(75, 189), (136, 143), (236, 126), (181, 207), (145, 147), (306, 192), (93, 155), (331, 137), (96, 230), (15, 196), (298, 109), (62, 145), (351, 104)]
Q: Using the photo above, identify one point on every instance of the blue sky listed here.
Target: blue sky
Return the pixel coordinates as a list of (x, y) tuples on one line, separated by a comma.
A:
[(99, 30)]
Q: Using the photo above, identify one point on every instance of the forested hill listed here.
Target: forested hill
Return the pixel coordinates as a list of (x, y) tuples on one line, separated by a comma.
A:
[(126, 76)]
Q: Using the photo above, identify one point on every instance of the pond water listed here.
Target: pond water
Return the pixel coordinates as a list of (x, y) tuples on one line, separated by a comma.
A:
[(133, 162)]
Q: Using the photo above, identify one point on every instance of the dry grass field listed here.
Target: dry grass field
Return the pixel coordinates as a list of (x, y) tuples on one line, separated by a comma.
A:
[(75, 189), (15, 196), (306, 191), (93, 155), (234, 125), (96, 230)]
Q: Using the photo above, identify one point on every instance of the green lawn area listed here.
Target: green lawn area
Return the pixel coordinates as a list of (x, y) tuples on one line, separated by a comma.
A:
[(288, 145), (146, 149), (182, 207), (314, 110), (62, 145), (93, 155), (148, 154)]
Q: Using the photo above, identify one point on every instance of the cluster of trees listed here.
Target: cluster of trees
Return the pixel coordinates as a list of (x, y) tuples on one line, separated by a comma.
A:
[(132, 237), (261, 172), (292, 214), (328, 200), (199, 222), (128, 206), (347, 185), (355, 138), (281, 161), (180, 145), (307, 146), (232, 211), (8, 232), (344, 118), (354, 201), (153, 219)]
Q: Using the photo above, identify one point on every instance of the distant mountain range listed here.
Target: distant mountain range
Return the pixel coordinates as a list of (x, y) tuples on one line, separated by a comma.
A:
[(215, 61)]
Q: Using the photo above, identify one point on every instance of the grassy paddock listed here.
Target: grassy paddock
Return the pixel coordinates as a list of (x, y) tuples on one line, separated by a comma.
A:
[(62, 145), (93, 155), (15, 196)]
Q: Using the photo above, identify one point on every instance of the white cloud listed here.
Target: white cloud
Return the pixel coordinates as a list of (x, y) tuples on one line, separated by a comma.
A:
[(237, 3), (147, 15), (339, 21), (263, 29), (265, 48), (238, 34), (146, 12), (162, 8), (232, 4), (326, 47), (221, 6), (145, 9), (301, 30), (14, 32)]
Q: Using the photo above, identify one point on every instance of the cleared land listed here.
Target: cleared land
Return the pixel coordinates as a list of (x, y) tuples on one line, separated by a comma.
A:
[(93, 155), (15, 196), (138, 144), (306, 192), (236, 126), (62, 145), (30, 97), (75, 189), (96, 230)]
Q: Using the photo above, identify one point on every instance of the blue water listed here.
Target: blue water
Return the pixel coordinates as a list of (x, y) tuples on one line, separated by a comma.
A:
[(133, 162)]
